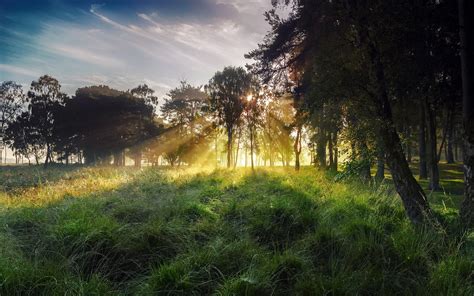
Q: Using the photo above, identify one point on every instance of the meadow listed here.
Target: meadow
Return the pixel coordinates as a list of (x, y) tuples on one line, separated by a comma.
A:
[(156, 231)]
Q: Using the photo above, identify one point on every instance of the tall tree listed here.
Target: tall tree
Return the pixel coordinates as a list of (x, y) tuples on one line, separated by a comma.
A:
[(466, 26), (186, 111), (145, 93), (45, 96), (12, 101), (228, 90), (252, 116)]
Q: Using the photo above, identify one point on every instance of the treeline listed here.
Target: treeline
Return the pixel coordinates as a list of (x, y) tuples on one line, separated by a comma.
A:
[(233, 116)]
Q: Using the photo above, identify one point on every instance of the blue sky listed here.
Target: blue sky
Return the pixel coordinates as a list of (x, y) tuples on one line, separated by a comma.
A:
[(125, 43)]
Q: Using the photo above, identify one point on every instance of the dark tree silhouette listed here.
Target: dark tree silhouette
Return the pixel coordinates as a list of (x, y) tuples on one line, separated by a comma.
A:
[(466, 25)]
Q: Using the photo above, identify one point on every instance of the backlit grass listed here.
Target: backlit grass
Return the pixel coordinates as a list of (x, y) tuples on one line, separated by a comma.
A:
[(108, 231)]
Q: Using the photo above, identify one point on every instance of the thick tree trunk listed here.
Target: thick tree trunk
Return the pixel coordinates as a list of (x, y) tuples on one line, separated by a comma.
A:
[(423, 172), (118, 158), (137, 159), (412, 195), (432, 156), (48, 156), (297, 148), (466, 24)]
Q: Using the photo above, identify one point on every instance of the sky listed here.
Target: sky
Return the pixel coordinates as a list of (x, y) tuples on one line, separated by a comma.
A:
[(123, 43)]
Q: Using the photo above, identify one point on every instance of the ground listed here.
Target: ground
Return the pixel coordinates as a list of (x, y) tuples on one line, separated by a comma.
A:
[(107, 231)]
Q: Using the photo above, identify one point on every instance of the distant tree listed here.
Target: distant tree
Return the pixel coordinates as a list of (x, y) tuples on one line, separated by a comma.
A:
[(45, 97), (66, 143), (228, 90), (147, 94), (21, 136), (107, 121), (142, 92), (186, 111), (12, 103), (252, 115)]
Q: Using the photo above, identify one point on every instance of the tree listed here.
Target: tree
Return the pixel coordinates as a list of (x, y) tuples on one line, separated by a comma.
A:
[(12, 102), (142, 92), (107, 121), (186, 112), (466, 26), (228, 90), (252, 116), (146, 94), (44, 96), (22, 138)]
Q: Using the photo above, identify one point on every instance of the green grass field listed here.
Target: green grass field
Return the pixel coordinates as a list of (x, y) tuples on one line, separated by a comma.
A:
[(106, 231)]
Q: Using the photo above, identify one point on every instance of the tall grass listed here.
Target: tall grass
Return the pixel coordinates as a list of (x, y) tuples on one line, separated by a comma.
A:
[(105, 231)]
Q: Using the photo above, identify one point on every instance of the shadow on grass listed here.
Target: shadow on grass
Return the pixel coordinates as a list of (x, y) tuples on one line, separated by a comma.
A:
[(16, 178), (225, 232)]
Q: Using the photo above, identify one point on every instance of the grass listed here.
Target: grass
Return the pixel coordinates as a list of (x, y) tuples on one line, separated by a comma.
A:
[(107, 231)]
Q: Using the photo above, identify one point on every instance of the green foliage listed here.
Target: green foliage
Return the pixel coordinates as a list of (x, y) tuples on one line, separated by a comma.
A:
[(353, 168), (164, 232)]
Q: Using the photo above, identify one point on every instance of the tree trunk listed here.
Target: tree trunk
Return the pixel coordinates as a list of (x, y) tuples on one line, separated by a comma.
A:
[(466, 24), (449, 146), (138, 159), (412, 195), (456, 151), (251, 149), (321, 148), (422, 144), (297, 148), (331, 152), (237, 149), (364, 153), (380, 174), (229, 148), (408, 146), (432, 156), (48, 153), (336, 153), (118, 158)]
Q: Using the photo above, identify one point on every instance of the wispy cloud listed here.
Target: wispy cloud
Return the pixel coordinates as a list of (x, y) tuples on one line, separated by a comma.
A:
[(17, 70), (84, 55), (123, 44)]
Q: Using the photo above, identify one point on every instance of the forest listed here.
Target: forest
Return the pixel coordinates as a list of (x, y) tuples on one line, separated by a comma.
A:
[(339, 160)]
